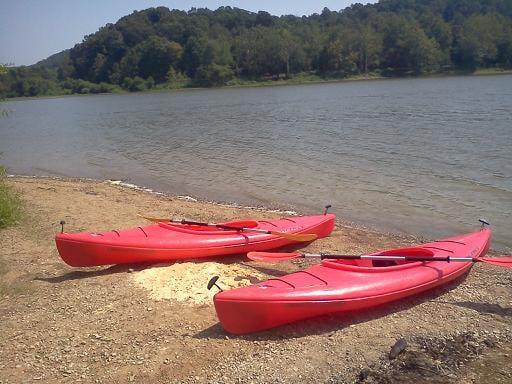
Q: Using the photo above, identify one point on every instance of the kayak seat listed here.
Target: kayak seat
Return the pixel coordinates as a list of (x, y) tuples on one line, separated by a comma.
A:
[(369, 263), (384, 263), (415, 251), (376, 265)]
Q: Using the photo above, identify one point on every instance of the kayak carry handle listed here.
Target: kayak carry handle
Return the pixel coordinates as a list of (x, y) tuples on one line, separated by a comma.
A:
[(484, 222), (62, 222), (213, 282), (327, 208)]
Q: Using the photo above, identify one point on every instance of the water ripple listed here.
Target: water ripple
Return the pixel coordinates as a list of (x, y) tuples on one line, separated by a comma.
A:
[(426, 156)]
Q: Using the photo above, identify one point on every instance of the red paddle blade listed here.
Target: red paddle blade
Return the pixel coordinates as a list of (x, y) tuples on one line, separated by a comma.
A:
[(273, 256), (500, 261), (242, 223)]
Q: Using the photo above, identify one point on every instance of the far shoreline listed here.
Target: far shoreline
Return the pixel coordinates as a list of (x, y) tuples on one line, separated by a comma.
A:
[(281, 82)]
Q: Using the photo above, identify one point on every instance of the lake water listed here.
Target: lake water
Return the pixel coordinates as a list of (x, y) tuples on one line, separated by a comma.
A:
[(421, 156)]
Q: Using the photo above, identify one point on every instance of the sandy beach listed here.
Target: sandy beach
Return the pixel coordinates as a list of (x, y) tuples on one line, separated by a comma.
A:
[(157, 323)]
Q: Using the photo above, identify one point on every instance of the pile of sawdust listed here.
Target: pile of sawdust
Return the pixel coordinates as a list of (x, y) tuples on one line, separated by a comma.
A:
[(187, 281)]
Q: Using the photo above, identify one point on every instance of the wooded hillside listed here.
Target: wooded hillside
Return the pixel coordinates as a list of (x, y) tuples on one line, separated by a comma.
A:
[(166, 48)]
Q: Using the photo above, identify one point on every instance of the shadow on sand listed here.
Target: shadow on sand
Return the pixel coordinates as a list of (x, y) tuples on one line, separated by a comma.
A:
[(482, 308), (92, 272), (81, 274)]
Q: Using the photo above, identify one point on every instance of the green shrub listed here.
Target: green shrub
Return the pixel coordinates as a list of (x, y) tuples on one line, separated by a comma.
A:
[(10, 202), (136, 84), (213, 75)]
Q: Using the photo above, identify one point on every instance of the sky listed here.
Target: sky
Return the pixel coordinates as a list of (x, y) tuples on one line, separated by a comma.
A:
[(32, 30)]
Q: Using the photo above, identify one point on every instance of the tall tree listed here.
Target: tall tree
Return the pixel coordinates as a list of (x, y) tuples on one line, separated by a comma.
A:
[(477, 40), (406, 47)]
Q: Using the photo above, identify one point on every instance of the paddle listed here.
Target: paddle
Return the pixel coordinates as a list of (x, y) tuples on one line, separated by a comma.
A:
[(236, 226), (270, 256), (240, 223)]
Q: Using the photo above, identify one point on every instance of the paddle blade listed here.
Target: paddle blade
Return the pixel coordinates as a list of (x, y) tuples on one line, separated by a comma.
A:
[(238, 224), (242, 223), (273, 256), (212, 282), (500, 261), (303, 237), (153, 219)]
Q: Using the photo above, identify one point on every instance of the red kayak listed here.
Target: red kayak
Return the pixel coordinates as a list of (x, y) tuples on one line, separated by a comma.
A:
[(168, 241), (346, 285)]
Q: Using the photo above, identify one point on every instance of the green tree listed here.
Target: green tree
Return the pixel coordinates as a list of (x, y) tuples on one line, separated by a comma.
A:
[(407, 49), (213, 75), (128, 66), (342, 51), (3, 89), (94, 57), (478, 39), (504, 46), (134, 85), (244, 52), (176, 78), (151, 58), (311, 40), (395, 37), (156, 56), (264, 19), (194, 54), (369, 47)]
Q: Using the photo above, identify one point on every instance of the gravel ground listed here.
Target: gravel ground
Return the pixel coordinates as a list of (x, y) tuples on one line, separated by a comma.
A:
[(97, 325)]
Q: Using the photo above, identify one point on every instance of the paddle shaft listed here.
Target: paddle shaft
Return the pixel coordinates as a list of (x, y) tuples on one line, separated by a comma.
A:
[(274, 257), (291, 236), (221, 226), (224, 226), (231, 225), (243, 226), (393, 258)]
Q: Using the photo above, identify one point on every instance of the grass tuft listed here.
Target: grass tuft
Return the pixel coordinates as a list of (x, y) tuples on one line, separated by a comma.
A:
[(10, 202)]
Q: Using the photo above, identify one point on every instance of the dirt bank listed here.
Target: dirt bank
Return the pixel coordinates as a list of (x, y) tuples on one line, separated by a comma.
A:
[(156, 324)]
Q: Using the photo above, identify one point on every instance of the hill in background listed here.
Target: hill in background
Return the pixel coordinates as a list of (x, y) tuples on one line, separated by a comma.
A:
[(165, 48)]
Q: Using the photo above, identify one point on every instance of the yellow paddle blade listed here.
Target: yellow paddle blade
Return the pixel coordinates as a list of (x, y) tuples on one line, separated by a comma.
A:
[(238, 224), (303, 237), (154, 219)]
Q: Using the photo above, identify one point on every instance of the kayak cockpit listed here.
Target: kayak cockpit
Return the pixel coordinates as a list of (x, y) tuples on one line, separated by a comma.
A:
[(196, 229), (366, 265)]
